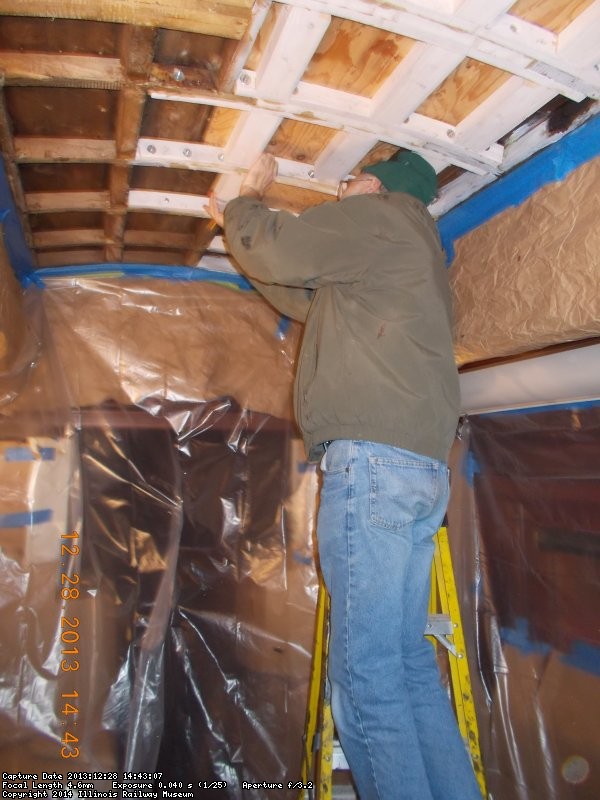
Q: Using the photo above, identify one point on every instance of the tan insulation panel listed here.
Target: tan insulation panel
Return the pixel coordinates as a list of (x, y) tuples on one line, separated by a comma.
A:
[(530, 277), (133, 341)]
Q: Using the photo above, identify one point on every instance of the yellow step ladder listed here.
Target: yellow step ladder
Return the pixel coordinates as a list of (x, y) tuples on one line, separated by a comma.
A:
[(322, 753)]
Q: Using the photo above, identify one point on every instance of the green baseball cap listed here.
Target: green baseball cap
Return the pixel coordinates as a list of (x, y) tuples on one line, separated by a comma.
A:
[(407, 172)]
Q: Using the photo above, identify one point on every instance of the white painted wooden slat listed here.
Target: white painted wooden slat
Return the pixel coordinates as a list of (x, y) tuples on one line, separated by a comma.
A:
[(169, 153), (458, 191), (167, 202), (502, 40), (341, 155), (423, 26), (524, 67), (515, 152), (260, 9), (292, 43), (443, 139), (522, 37), (249, 138), (536, 138), (506, 108), (438, 162), (569, 85), (227, 186), (417, 132), (323, 98), (578, 43), (414, 79), (472, 14)]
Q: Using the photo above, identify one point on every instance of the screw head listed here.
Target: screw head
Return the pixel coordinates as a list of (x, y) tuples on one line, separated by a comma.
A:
[(178, 75), (245, 78), (151, 149), (187, 152)]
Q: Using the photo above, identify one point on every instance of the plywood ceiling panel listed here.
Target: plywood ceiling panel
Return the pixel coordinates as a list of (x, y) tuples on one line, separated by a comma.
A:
[(118, 117), (356, 58)]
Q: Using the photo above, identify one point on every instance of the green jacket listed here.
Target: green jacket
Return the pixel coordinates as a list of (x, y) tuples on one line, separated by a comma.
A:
[(367, 276)]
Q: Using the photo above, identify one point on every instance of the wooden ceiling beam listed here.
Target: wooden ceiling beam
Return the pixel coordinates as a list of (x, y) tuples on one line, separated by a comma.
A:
[(46, 149), (168, 239), (50, 202), (12, 170), (76, 237), (114, 224), (48, 69), (227, 18), (204, 233), (59, 70), (68, 257), (136, 49)]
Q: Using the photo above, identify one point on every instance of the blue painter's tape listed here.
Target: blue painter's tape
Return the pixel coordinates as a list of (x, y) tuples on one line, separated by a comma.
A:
[(23, 519), (146, 271), (470, 467), (283, 327), (14, 240), (519, 637), (26, 454), (553, 163), (584, 656), (300, 558), (305, 466), (47, 453)]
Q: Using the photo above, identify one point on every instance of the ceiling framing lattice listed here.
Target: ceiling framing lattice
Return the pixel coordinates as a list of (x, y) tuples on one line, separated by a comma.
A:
[(117, 118)]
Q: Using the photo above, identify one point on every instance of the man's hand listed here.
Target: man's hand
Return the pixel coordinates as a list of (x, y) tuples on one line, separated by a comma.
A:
[(259, 177), (213, 210)]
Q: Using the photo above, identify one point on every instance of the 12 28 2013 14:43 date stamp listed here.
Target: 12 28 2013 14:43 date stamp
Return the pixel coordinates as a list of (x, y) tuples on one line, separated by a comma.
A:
[(69, 642)]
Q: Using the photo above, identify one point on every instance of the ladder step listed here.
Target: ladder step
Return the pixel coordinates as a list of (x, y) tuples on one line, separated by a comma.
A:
[(338, 759)]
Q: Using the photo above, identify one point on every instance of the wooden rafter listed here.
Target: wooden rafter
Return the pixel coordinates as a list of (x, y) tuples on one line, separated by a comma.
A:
[(161, 119), (228, 19)]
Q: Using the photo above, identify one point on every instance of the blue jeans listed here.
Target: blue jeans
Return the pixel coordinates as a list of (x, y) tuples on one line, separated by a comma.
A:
[(380, 507)]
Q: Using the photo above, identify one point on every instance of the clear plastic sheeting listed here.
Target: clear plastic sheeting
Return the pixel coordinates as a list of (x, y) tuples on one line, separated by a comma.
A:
[(157, 582), (524, 524)]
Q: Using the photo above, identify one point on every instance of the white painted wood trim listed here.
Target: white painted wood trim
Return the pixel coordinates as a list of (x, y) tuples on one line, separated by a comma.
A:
[(501, 112), (292, 43), (167, 202), (423, 70)]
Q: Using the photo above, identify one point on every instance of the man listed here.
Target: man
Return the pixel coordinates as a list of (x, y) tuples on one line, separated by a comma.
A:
[(376, 398)]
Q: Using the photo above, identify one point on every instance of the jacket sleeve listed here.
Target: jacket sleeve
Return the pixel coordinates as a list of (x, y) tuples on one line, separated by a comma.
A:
[(322, 245), (291, 301)]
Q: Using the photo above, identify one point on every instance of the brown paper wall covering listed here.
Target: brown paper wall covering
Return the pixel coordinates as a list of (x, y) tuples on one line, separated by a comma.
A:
[(530, 277), (142, 341)]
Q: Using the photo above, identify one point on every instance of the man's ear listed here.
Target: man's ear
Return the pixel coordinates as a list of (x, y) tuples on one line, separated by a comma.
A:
[(374, 186)]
